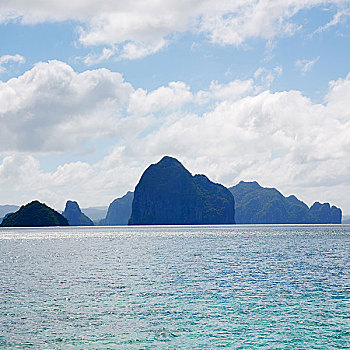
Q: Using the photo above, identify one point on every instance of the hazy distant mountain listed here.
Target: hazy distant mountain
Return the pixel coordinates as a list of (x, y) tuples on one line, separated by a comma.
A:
[(119, 211), (95, 213), (74, 215), (261, 205), (5, 209), (35, 214), (167, 194)]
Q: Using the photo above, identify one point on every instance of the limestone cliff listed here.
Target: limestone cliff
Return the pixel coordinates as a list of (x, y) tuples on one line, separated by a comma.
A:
[(119, 211), (74, 215), (167, 194)]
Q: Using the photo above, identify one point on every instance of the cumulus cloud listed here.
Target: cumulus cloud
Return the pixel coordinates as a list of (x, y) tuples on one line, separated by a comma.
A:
[(142, 27), (5, 59), (231, 132), (22, 180), (230, 91), (53, 108), (171, 97), (306, 65), (281, 139), (338, 98)]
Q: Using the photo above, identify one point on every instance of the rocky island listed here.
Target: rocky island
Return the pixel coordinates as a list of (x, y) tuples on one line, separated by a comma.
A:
[(119, 211), (260, 205), (167, 194), (74, 215)]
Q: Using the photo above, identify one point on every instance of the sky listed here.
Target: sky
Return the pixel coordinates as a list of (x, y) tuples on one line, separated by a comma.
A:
[(92, 92)]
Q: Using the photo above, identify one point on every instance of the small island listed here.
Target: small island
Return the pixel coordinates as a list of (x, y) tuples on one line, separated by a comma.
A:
[(74, 215), (34, 214)]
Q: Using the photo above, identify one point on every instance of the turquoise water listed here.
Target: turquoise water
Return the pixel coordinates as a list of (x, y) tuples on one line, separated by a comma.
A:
[(234, 287)]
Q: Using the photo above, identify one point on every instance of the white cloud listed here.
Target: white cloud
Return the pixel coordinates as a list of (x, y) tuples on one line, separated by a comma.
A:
[(338, 98), (281, 139), (220, 92), (53, 108), (174, 96), (339, 17), (93, 58), (10, 58), (22, 180), (306, 65), (265, 77), (141, 27), (231, 132), (136, 50)]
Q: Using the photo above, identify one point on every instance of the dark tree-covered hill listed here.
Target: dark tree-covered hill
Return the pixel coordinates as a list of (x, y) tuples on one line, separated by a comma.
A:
[(35, 214)]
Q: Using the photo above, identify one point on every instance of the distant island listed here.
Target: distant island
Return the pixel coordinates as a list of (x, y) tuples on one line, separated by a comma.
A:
[(261, 205), (74, 215), (167, 194), (119, 211), (34, 214)]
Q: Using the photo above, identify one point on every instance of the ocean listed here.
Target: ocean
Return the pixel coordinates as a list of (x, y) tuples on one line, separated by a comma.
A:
[(179, 287)]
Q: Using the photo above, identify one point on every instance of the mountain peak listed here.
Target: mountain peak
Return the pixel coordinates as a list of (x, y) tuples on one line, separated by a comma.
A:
[(168, 159), (74, 215), (251, 184)]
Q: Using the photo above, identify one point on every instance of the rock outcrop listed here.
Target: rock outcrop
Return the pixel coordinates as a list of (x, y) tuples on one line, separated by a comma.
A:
[(35, 214), (74, 215), (261, 205), (119, 211), (324, 214), (167, 194)]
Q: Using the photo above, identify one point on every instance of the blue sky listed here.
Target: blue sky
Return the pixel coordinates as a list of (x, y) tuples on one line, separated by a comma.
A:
[(92, 92)]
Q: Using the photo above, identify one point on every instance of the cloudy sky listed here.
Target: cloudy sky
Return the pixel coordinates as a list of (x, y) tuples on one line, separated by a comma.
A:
[(92, 92)]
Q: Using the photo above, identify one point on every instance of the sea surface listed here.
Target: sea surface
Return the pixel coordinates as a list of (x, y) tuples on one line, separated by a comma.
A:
[(179, 287)]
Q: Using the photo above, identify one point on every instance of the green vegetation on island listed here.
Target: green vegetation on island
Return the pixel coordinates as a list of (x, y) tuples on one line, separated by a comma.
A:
[(34, 214)]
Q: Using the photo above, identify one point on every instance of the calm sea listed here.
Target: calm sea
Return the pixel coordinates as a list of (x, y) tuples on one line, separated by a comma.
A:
[(207, 287)]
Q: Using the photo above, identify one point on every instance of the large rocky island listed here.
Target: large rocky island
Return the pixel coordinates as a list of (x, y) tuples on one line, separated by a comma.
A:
[(260, 205), (34, 214), (167, 194), (74, 215)]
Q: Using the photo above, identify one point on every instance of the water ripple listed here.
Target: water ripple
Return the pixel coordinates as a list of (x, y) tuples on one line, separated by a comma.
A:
[(241, 287)]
